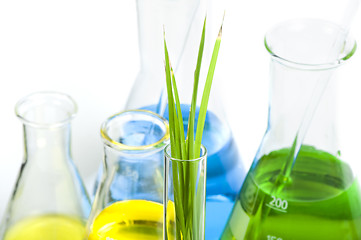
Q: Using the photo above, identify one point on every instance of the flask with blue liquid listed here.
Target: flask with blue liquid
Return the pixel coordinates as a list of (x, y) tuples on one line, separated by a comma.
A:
[(182, 22)]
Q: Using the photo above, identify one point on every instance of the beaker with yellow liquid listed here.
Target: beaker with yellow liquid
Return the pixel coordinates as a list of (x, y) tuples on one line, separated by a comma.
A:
[(302, 183), (49, 200), (129, 200)]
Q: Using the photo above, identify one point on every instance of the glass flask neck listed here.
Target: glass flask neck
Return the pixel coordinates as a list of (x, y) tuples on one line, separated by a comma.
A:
[(305, 57), (180, 23), (172, 18), (47, 144), (133, 138), (46, 118), (133, 161), (302, 105)]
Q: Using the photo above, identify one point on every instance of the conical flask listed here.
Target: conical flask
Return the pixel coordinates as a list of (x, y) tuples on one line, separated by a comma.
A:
[(302, 183), (49, 200), (128, 201), (182, 22)]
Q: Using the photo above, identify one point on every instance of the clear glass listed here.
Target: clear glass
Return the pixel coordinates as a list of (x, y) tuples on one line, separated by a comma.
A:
[(49, 200), (128, 202), (182, 21), (302, 183), (184, 203)]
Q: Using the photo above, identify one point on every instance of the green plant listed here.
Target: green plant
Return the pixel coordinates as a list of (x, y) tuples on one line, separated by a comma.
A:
[(186, 198)]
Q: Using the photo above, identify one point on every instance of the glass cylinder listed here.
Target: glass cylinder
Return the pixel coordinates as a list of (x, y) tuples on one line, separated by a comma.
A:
[(49, 200), (302, 183), (185, 195), (182, 22), (128, 202)]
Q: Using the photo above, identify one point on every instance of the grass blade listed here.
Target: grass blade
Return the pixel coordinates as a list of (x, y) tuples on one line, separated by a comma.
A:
[(206, 93), (188, 193), (171, 108), (180, 119), (191, 119), (178, 187), (179, 128)]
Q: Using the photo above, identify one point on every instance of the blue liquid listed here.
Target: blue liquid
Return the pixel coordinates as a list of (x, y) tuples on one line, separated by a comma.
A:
[(225, 172)]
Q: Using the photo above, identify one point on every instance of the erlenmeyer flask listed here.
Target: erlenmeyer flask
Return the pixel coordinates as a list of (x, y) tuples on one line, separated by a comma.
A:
[(302, 183), (49, 200), (182, 22), (128, 202)]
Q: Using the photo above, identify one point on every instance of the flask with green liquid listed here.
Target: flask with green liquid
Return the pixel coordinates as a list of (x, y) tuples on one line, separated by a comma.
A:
[(129, 197), (302, 183), (49, 200)]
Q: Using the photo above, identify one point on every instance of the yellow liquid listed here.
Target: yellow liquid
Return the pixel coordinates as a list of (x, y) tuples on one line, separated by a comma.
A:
[(133, 219), (47, 227)]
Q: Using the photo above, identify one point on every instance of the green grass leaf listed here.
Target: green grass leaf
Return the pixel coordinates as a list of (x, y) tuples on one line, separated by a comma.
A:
[(172, 119), (192, 113), (206, 93), (180, 130)]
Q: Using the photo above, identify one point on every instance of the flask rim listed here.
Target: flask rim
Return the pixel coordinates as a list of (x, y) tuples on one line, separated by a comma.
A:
[(109, 141), (61, 101), (167, 154), (348, 48)]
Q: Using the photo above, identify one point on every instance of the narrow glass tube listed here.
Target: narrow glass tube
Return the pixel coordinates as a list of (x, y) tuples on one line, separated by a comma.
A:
[(184, 196)]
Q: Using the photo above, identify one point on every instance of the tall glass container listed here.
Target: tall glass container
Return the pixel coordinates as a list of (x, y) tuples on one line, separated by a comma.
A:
[(49, 200), (185, 194), (128, 202), (302, 183), (182, 22)]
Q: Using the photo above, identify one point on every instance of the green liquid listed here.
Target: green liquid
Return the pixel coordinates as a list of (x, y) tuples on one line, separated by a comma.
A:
[(320, 200)]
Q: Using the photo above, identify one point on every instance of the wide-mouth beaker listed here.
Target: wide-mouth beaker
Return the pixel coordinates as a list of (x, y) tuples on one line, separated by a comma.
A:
[(302, 183), (129, 199)]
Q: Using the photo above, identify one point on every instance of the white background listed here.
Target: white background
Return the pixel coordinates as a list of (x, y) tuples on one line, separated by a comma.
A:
[(89, 50)]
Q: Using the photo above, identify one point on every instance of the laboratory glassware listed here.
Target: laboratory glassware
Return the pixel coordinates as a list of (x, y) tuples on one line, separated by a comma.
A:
[(302, 183), (49, 200), (184, 216), (182, 23), (129, 200)]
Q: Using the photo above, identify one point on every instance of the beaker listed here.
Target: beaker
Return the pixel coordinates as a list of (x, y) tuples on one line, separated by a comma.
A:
[(182, 21), (302, 183), (49, 200), (129, 200)]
